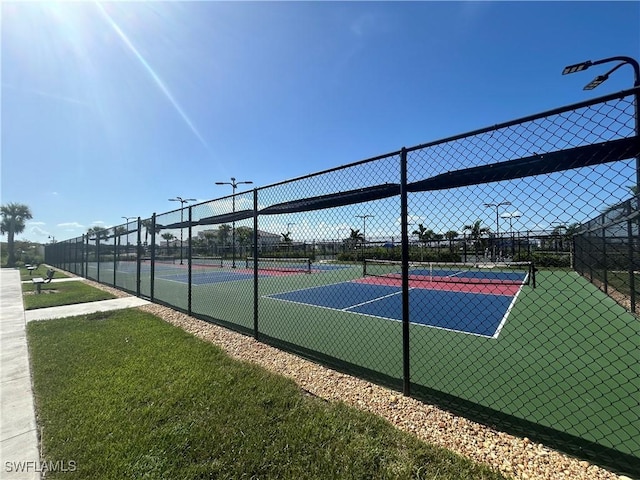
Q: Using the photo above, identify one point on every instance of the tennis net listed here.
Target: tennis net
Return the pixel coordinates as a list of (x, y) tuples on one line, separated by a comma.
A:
[(277, 264), (508, 273), (207, 261)]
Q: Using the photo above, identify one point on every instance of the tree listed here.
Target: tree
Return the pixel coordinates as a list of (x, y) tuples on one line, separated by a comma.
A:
[(167, 237), (355, 237), (244, 236), (424, 236), (476, 231), (14, 216), (451, 235), (99, 232), (208, 237), (223, 234)]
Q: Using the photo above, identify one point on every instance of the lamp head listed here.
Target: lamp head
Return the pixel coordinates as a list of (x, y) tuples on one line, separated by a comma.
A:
[(595, 82), (578, 67)]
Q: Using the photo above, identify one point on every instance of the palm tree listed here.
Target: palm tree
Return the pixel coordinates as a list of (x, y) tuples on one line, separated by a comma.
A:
[(356, 237), (286, 239), (99, 232), (424, 237), (476, 231), (14, 216), (168, 237), (451, 235)]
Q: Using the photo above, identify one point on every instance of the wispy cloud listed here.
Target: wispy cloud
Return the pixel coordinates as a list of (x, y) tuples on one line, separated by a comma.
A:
[(71, 225)]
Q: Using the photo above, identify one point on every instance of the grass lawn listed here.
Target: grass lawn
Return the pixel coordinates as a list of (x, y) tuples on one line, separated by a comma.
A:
[(41, 271), (62, 293), (125, 395)]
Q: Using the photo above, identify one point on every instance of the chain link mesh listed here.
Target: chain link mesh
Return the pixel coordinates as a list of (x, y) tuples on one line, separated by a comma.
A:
[(509, 287)]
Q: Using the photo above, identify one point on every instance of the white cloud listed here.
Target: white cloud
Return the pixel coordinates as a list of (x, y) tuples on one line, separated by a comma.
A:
[(71, 225)]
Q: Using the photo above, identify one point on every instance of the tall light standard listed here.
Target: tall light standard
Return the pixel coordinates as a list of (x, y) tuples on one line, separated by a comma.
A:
[(364, 230), (234, 185), (511, 216), (182, 202), (497, 206), (579, 67), (127, 220)]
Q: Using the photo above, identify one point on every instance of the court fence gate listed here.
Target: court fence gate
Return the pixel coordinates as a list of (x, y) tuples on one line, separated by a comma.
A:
[(557, 363)]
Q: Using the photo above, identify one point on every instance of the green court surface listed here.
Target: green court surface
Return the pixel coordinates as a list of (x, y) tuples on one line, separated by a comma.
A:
[(566, 357)]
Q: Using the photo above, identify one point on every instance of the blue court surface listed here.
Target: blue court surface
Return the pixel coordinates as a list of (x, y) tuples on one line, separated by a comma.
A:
[(201, 278), (472, 313)]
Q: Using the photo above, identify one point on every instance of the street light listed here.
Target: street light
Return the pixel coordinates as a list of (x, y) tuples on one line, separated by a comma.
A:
[(364, 230), (497, 206), (578, 67), (127, 220), (511, 216), (234, 185), (182, 202)]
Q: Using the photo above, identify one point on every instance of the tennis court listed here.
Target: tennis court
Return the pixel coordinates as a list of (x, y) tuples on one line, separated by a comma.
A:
[(462, 298)]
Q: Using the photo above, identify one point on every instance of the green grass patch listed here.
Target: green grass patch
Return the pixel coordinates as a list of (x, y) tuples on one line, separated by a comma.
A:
[(126, 395), (41, 271), (61, 293)]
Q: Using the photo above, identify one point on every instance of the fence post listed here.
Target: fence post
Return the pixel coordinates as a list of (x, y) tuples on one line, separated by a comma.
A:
[(632, 278), (152, 260), (404, 213), (189, 264), (255, 264), (605, 265), (116, 253), (138, 256)]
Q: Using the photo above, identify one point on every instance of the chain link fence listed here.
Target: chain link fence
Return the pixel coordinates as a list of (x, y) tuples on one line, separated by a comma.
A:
[(478, 272)]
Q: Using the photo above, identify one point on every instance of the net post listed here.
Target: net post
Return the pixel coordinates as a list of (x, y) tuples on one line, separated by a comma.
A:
[(533, 269)]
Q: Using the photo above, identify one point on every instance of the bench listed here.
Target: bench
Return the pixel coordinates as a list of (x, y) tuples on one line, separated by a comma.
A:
[(39, 281)]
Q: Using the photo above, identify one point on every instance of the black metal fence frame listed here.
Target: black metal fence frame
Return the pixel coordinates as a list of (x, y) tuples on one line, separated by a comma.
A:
[(74, 255)]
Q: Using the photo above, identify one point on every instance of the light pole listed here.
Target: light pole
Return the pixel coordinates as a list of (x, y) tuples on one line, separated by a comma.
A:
[(496, 206), (127, 220), (234, 185), (182, 202), (364, 230), (578, 67), (511, 216)]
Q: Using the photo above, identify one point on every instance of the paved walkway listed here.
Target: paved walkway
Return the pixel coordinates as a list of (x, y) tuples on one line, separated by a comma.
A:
[(19, 455)]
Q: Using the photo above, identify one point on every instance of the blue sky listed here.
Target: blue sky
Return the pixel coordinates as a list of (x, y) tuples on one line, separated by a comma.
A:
[(110, 109)]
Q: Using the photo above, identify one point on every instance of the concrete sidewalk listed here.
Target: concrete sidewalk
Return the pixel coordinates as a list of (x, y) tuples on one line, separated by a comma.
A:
[(19, 454)]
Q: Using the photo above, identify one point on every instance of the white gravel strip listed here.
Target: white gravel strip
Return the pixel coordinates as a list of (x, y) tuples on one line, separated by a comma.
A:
[(513, 456)]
